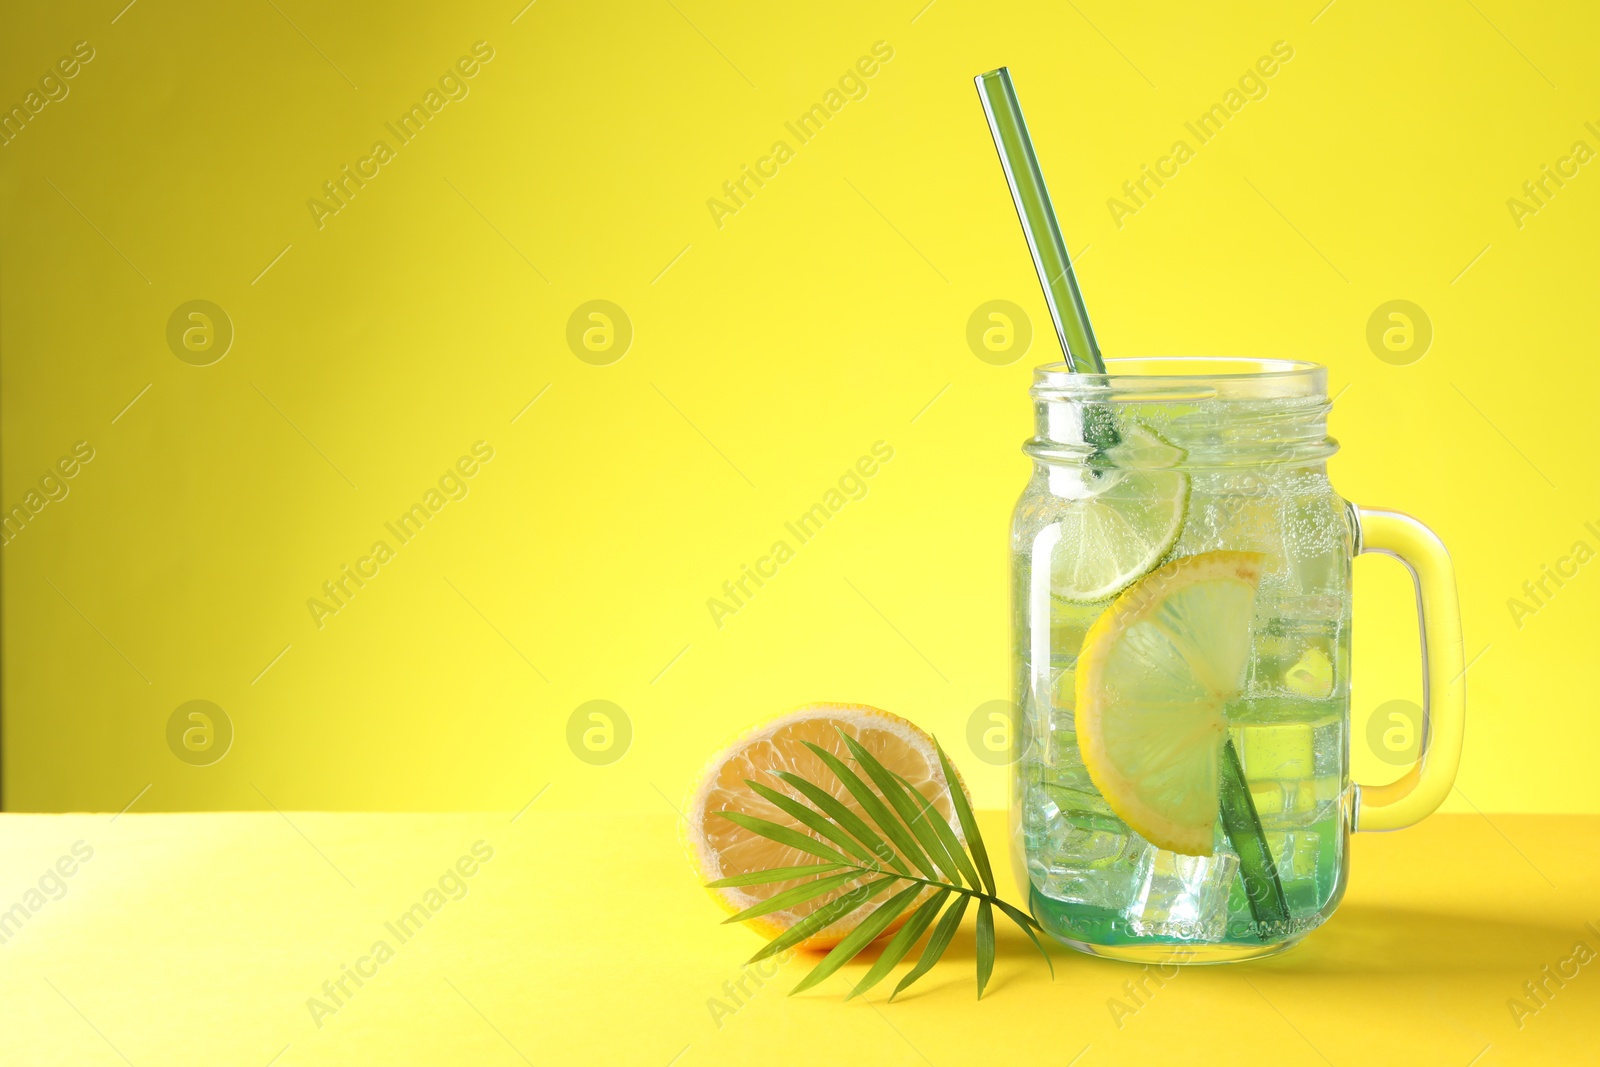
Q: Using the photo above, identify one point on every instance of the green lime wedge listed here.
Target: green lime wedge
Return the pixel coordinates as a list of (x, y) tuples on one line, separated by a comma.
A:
[(1129, 518)]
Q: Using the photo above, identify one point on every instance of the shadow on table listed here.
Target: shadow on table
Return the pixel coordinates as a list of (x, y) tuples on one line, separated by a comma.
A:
[(1373, 940), (1360, 940)]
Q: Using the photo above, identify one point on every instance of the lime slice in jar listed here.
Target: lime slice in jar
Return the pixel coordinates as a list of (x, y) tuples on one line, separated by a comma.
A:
[(1127, 521)]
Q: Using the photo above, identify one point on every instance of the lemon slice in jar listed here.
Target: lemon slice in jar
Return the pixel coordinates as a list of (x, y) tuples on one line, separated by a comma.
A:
[(1153, 677)]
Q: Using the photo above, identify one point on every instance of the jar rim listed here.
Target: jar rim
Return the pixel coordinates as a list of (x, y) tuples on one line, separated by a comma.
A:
[(1169, 378)]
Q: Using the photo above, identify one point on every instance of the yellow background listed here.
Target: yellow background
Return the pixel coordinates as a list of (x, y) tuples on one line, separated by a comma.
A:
[(768, 355)]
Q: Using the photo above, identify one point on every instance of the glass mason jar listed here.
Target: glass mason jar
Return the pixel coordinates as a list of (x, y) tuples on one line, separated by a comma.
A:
[(1150, 481)]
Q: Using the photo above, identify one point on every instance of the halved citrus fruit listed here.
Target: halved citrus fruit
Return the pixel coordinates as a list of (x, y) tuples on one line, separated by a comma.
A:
[(1117, 523), (1153, 676), (721, 849)]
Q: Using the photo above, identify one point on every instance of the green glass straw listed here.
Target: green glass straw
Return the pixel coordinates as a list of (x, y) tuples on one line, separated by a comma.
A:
[(1039, 223), (1240, 822)]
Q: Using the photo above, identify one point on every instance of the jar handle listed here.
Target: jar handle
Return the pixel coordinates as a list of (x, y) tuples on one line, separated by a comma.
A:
[(1423, 788)]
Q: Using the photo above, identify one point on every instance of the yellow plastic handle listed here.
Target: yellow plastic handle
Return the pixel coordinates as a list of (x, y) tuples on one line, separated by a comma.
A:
[(1444, 691)]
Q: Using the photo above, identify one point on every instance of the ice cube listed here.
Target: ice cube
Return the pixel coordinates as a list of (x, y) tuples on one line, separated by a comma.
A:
[(1039, 811), (1311, 524), (1277, 752), (1068, 624), (1268, 797), (1092, 867), (1079, 857), (1183, 897), (1081, 804), (1063, 690), (1298, 854), (1060, 748), (1311, 675)]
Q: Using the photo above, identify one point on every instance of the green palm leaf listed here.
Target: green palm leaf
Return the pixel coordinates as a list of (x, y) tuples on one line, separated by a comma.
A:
[(917, 834), (901, 943), (784, 835), (937, 943), (831, 806), (1024, 920), (835, 909), (772, 874), (797, 895), (985, 945), (969, 822), (812, 820), (903, 805), (926, 812), (875, 807), (859, 938)]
